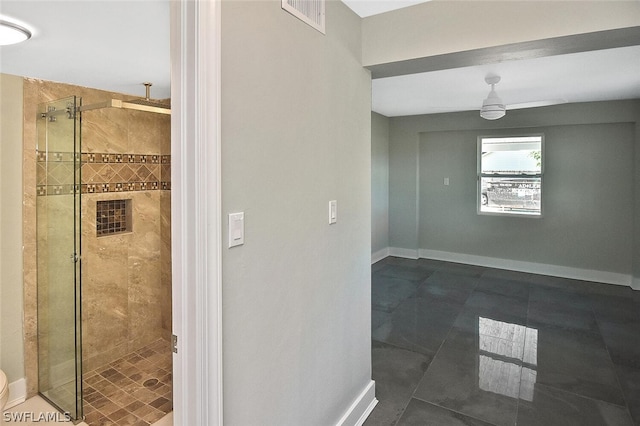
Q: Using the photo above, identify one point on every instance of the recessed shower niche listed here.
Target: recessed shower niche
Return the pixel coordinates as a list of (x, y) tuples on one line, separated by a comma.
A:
[(103, 243), (113, 217)]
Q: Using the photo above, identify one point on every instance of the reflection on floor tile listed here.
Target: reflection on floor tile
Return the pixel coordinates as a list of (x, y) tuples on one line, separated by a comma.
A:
[(502, 348), (479, 384)]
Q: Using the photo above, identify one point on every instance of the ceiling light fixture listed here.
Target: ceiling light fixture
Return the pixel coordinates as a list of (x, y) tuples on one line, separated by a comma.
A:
[(492, 107), (11, 33)]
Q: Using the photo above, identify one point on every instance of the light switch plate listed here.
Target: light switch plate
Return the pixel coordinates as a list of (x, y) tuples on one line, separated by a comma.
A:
[(333, 212), (236, 229)]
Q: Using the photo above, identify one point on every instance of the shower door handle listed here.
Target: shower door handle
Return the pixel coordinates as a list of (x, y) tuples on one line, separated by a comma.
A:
[(74, 257)]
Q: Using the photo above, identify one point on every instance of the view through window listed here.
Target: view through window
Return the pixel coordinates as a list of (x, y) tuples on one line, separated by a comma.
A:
[(510, 175)]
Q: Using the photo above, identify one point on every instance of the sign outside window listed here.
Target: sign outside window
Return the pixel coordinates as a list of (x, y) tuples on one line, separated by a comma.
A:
[(510, 175)]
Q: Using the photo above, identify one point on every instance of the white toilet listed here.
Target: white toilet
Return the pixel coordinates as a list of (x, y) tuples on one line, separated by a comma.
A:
[(4, 390)]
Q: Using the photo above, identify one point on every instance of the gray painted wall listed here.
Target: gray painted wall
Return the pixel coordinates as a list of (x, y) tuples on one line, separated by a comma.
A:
[(587, 199), (403, 184), (589, 194), (11, 315), (296, 133), (379, 182)]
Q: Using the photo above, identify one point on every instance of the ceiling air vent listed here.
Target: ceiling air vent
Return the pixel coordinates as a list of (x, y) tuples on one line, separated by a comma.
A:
[(309, 11)]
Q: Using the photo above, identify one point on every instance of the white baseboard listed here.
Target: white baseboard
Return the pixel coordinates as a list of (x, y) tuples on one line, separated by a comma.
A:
[(379, 255), (361, 407), (531, 267), (513, 265), (402, 252), (17, 393)]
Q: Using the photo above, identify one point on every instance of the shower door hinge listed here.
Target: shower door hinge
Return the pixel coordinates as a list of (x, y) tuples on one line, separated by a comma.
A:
[(71, 110), (174, 343), (50, 111)]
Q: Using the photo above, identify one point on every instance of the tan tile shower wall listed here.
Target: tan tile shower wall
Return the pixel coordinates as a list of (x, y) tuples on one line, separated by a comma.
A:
[(126, 278), (122, 285), (126, 155)]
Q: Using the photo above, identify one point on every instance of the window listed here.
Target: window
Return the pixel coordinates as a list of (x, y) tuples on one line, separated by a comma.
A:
[(510, 175)]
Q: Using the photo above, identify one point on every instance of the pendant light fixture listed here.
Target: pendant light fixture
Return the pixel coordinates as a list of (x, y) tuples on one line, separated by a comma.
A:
[(11, 33), (492, 107)]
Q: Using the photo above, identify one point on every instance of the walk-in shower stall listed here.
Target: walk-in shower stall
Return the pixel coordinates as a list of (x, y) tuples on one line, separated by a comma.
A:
[(104, 258)]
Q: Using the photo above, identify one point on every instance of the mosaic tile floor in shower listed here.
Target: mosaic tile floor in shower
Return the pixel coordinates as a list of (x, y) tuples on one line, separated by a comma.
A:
[(134, 390)]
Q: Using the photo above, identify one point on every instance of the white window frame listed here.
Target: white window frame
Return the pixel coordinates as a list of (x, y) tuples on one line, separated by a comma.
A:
[(480, 175)]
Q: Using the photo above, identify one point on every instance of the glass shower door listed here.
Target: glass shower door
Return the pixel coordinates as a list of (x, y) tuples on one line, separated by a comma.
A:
[(58, 254)]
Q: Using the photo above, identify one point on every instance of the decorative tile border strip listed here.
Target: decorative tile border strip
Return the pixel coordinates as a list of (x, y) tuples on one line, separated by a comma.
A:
[(41, 156), (103, 172), (93, 188), (97, 157), (66, 189)]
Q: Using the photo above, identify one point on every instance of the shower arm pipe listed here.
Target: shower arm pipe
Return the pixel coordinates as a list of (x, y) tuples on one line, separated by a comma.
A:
[(116, 103)]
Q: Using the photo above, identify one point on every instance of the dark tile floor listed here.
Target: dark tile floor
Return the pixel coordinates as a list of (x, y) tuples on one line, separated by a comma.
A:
[(464, 345), (133, 390)]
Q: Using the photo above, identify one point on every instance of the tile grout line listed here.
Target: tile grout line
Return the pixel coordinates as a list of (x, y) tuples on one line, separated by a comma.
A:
[(436, 353), (581, 396), (597, 333), (624, 396), (404, 408), (515, 419), (422, 282), (454, 411), (523, 349)]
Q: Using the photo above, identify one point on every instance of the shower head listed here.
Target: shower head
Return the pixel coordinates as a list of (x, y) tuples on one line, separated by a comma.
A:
[(147, 104), (147, 101)]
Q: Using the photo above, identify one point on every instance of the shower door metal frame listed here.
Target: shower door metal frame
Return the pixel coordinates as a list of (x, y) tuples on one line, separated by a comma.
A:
[(51, 115)]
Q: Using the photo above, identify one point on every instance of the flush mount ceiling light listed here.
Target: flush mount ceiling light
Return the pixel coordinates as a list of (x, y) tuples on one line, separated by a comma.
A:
[(11, 33), (492, 107)]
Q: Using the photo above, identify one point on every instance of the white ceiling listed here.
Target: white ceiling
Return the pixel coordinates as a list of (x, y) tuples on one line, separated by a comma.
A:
[(106, 44), (117, 45), (366, 8), (599, 75)]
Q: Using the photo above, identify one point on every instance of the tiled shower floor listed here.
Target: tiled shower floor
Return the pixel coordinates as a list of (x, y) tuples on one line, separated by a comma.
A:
[(133, 390)]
